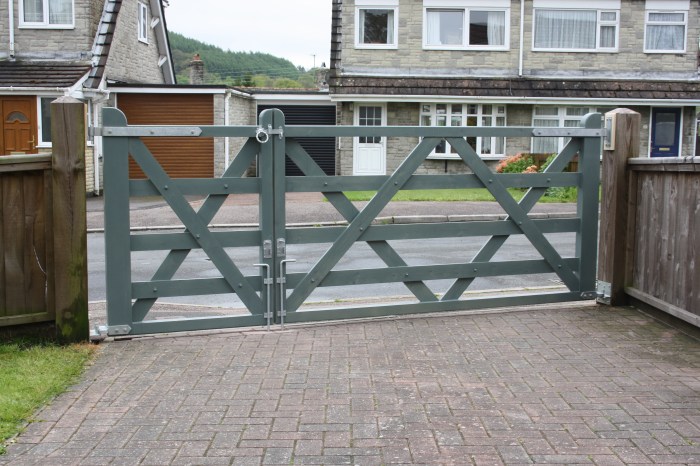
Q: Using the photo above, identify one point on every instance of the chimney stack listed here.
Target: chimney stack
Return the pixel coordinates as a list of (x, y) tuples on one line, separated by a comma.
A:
[(196, 70)]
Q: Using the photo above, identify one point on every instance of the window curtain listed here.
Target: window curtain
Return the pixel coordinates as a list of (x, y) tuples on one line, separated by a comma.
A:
[(33, 11), (496, 27), (60, 11), (433, 20), (665, 37), (546, 145), (565, 29)]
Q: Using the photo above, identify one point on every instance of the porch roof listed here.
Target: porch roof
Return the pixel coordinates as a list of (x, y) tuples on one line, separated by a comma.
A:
[(516, 89), (23, 74)]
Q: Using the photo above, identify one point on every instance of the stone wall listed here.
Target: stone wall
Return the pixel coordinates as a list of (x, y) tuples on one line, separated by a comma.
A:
[(131, 60), (411, 59)]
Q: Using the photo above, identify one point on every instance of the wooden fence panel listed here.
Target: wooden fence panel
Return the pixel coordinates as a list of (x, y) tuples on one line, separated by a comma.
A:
[(24, 212)]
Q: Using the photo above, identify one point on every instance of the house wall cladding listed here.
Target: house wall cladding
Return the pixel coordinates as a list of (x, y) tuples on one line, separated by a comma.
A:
[(411, 58), (48, 42), (241, 113), (125, 62)]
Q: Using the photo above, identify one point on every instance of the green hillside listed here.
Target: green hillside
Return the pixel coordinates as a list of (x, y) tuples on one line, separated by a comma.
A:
[(236, 68)]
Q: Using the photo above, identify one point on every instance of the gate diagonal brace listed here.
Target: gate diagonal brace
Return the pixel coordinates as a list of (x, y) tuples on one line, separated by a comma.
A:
[(194, 224), (359, 224), (348, 210), (515, 213), (528, 201), (210, 207)]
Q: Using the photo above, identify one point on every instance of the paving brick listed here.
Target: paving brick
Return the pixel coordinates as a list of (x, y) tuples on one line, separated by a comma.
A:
[(580, 385)]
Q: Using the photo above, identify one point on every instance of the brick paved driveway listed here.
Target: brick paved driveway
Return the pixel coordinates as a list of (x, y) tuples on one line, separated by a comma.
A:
[(567, 385)]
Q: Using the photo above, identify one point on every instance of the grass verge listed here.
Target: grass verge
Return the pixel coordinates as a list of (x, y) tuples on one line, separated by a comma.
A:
[(465, 195), (32, 372)]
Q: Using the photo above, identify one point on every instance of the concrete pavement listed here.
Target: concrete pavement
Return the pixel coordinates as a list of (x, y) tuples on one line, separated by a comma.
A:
[(571, 384)]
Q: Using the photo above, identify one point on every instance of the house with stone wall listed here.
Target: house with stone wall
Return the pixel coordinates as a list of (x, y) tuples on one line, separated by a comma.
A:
[(52, 48), (541, 63)]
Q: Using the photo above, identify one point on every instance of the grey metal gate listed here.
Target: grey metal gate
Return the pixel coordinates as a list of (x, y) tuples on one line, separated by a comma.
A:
[(270, 294)]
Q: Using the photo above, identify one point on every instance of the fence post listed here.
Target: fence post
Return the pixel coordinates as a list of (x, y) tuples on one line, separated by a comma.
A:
[(69, 219), (614, 207)]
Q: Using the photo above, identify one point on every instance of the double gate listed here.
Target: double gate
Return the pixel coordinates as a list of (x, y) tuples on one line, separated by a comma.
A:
[(268, 294)]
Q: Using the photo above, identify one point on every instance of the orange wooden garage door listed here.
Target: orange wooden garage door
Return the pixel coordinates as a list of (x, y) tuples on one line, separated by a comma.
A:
[(180, 157)]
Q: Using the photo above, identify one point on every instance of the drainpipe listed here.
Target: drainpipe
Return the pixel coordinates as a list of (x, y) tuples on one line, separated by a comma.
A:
[(11, 7), (522, 37), (227, 118)]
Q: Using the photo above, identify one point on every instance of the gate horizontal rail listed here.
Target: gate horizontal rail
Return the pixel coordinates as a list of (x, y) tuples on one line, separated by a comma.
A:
[(273, 294)]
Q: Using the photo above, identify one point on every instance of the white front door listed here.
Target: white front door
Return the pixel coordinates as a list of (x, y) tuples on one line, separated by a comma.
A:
[(370, 151)]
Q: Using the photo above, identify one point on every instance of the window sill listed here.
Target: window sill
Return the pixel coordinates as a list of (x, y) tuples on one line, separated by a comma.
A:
[(456, 157), (462, 48), (46, 26), (376, 46), (577, 50)]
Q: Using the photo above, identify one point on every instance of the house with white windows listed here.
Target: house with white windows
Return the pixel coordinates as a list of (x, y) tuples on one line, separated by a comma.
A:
[(512, 63), (52, 48)]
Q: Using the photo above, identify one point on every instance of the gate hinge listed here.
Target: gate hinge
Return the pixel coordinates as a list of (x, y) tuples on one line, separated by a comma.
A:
[(116, 330), (281, 247), (603, 292)]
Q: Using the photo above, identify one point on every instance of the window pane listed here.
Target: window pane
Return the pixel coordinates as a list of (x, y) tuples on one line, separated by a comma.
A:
[(441, 109), (425, 120), (445, 27), (667, 17), (487, 27), (608, 16), (60, 11), (456, 108), (665, 37), (34, 11), (456, 121), (426, 109), (46, 118), (576, 111), (487, 109), (607, 37), (665, 129), (546, 111), (565, 29), (377, 26)]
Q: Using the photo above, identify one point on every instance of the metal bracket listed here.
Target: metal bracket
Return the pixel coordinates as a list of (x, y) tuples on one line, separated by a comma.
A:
[(589, 295), (281, 247), (267, 249), (137, 131), (603, 292), (263, 135), (269, 283), (283, 293), (568, 132), (117, 330)]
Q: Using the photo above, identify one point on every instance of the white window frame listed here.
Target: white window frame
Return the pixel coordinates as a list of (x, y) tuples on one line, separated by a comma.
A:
[(561, 118), (496, 108), (45, 23), (40, 120), (143, 23), (358, 25), (465, 8), (683, 23), (600, 23)]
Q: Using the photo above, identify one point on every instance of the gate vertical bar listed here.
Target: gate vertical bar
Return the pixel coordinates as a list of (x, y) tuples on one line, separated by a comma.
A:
[(117, 226), (271, 170), (587, 236), (280, 214)]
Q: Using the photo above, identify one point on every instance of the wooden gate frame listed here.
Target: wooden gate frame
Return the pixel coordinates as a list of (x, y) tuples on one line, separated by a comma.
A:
[(265, 295)]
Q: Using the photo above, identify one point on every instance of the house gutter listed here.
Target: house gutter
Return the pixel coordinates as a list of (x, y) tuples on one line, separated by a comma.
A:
[(11, 8), (522, 38)]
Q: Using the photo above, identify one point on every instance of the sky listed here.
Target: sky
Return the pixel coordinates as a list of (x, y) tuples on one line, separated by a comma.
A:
[(292, 29)]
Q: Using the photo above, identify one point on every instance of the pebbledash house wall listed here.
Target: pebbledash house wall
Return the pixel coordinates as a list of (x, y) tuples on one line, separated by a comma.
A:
[(410, 60)]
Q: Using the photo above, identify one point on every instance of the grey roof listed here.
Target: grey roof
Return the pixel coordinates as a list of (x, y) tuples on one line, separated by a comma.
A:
[(41, 74)]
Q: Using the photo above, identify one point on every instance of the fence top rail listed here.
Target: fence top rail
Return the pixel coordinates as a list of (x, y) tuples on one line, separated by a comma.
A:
[(343, 131), (24, 158)]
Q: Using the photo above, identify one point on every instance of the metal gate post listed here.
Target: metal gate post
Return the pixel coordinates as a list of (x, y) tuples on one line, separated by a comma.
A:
[(588, 201), (117, 226), (271, 170)]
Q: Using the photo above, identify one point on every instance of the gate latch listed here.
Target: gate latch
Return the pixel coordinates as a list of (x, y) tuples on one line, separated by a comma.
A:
[(263, 135)]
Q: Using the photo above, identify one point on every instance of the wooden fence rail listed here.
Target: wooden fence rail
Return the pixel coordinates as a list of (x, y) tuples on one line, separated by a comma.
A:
[(43, 242), (650, 227)]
